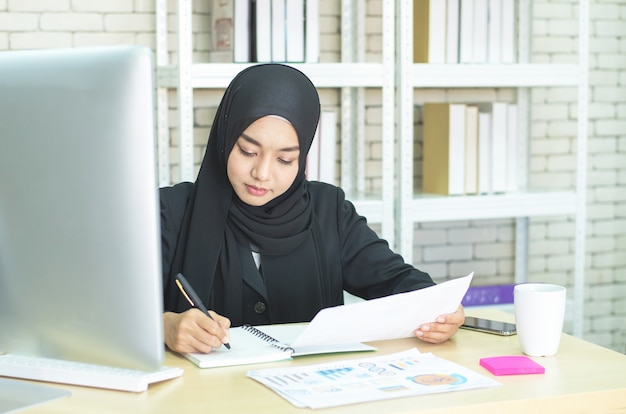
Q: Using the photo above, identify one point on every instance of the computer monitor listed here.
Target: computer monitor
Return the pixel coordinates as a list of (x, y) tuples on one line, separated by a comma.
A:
[(80, 275)]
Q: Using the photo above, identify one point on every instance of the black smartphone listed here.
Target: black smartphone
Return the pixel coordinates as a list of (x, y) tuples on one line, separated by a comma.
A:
[(489, 326)]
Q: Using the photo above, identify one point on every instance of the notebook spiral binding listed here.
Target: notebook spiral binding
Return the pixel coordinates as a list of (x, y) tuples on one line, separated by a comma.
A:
[(267, 338)]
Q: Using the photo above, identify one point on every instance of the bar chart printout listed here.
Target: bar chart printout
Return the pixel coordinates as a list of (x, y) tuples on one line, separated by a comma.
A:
[(402, 374)]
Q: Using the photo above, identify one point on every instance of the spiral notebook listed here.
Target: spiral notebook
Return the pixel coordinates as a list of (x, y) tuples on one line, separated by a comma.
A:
[(267, 343)]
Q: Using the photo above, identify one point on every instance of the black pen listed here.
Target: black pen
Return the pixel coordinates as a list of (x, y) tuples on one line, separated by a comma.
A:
[(192, 297)]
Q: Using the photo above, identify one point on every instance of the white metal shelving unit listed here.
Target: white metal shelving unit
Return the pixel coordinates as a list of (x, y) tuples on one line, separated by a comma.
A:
[(397, 208), (351, 75), (413, 208)]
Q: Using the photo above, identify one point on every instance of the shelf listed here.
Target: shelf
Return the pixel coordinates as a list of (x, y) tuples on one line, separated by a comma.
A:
[(429, 208), (323, 75), (436, 208), (482, 75), (414, 209)]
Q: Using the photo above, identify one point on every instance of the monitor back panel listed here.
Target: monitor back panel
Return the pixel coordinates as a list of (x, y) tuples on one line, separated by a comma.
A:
[(79, 233)]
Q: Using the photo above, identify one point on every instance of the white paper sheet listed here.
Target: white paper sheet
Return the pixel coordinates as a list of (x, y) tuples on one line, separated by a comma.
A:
[(402, 374), (390, 317)]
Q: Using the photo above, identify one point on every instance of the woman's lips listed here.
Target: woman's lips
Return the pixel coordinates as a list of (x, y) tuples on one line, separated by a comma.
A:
[(256, 191)]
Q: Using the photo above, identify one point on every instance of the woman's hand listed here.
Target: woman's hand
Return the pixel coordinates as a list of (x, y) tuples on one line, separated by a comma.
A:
[(193, 331), (443, 328)]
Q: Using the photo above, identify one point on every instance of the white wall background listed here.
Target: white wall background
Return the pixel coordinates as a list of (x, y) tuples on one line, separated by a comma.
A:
[(443, 249)]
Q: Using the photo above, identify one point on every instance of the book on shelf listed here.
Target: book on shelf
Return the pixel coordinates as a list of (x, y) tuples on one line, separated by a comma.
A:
[(471, 149), (495, 31), (322, 157), (429, 31), (313, 157), (312, 31), (262, 30), (498, 146), (452, 31), (481, 30), (513, 158), (295, 30), (279, 38), (508, 37), (265, 31), (466, 31), (222, 31), (242, 28), (484, 152), (443, 148), (328, 146)]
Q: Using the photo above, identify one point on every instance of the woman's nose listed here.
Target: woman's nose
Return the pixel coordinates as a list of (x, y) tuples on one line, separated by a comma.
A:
[(261, 170)]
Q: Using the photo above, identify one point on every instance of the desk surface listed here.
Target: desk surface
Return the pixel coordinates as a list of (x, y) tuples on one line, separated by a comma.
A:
[(581, 378)]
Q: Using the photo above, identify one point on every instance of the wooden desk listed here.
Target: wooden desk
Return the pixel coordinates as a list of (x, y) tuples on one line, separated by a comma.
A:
[(581, 378)]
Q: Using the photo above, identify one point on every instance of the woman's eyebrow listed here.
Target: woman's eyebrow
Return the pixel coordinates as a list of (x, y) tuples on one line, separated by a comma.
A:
[(253, 141)]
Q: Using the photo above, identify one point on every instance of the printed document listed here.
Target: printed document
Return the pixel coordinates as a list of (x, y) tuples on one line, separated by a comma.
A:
[(390, 317), (402, 374)]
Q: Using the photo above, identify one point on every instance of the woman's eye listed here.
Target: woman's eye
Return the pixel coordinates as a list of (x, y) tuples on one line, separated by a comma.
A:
[(246, 153), (286, 162)]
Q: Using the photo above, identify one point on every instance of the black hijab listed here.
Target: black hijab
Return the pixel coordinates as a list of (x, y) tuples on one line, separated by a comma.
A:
[(218, 228)]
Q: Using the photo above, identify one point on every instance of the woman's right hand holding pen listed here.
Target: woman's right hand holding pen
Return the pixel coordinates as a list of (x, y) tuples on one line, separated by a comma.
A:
[(192, 331)]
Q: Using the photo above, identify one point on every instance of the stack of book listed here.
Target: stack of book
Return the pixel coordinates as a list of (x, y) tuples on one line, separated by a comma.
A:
[(265, 31), (464, 31), (469, 149)]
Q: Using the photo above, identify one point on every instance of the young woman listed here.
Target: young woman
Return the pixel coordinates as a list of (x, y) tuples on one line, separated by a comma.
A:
[(258, 242)]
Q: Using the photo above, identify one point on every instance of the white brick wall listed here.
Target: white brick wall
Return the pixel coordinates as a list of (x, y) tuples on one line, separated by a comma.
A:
[(443, 249), (35, 24)]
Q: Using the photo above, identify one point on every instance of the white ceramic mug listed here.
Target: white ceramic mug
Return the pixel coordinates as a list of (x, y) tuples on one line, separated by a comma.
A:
[(539, 315)]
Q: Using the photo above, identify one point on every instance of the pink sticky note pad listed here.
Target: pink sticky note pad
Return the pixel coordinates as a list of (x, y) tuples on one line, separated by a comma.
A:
[(511, 365)]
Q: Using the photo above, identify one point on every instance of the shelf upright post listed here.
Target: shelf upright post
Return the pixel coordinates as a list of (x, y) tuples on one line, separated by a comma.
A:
[(353, 110), (358, 131), (581, 167), (348, 164), (404, 131), (163, 146), (523, 132), (185, 92), (388, 122)]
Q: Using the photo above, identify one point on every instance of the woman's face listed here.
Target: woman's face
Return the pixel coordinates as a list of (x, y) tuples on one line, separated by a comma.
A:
[(264, 161)]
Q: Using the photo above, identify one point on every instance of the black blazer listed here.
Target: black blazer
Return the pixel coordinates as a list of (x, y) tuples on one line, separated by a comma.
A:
[(359, 261)]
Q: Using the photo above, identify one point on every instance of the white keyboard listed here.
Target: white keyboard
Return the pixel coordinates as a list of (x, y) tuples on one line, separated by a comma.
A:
[(78, 373)]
